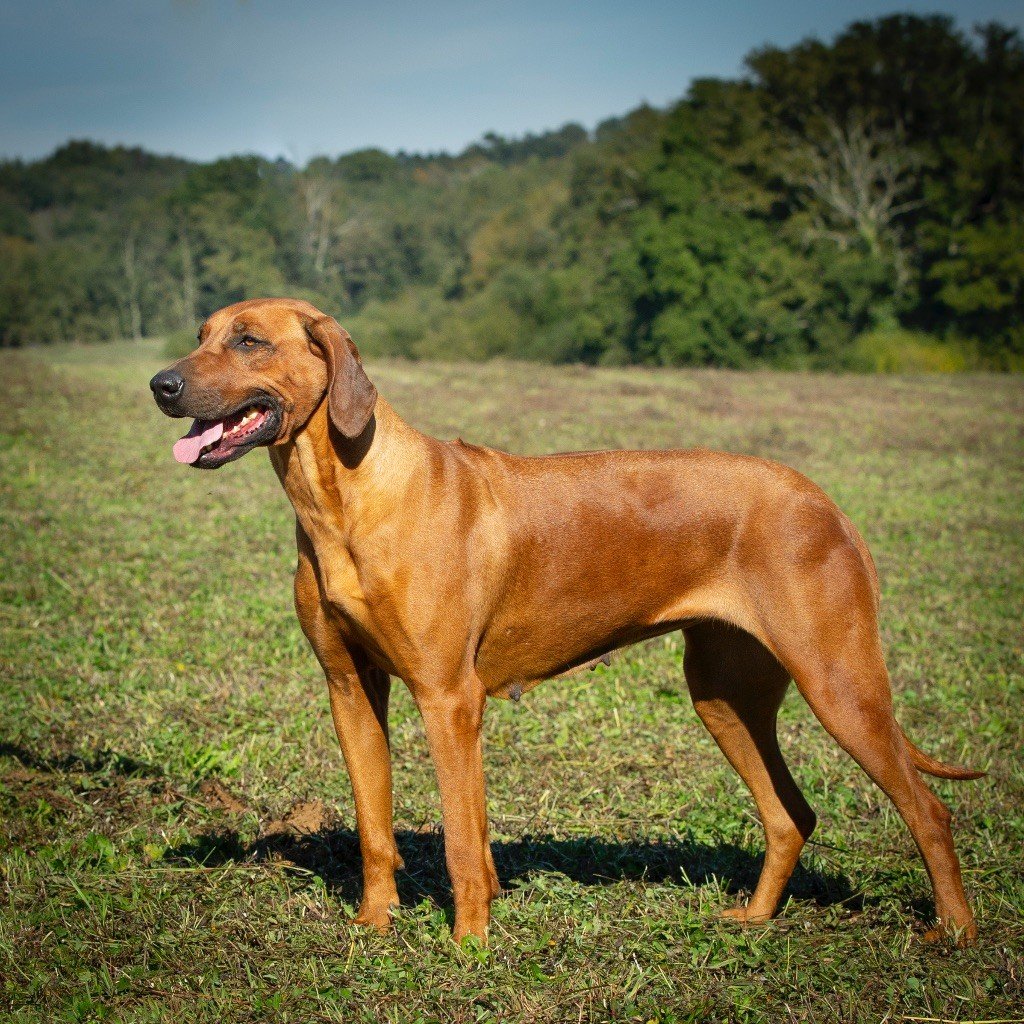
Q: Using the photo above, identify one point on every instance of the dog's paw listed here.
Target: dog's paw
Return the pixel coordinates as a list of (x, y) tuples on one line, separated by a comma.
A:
[(376, 916), (472, 924), (963, 937), (469, 940), (744, 915)]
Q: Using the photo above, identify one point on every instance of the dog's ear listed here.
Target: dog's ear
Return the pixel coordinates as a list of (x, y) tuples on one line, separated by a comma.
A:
[(350, 395)]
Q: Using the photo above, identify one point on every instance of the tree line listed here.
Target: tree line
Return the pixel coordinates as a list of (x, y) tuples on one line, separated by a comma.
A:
[(857, 203)]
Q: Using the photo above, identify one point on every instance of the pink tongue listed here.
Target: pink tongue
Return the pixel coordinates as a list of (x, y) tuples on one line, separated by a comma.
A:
[(188, 449)]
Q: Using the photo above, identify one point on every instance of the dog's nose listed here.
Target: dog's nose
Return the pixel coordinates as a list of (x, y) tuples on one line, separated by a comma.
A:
[(167, 385)]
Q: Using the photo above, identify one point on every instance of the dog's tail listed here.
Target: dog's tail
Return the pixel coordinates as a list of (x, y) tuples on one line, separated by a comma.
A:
[(926, 763)]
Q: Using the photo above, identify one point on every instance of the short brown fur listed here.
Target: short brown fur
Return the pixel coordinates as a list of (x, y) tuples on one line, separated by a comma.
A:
[(468, 572)]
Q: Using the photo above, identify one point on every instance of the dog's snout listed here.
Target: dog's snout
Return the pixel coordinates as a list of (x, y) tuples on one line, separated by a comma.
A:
[(167, 385)]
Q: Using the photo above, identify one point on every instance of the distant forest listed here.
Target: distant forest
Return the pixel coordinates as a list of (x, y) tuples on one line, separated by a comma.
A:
[(855, 204)]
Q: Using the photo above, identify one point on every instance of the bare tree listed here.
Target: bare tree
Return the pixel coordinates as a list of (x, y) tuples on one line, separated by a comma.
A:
[(859, 178), (188, 275), (319, 197), (131, 276)]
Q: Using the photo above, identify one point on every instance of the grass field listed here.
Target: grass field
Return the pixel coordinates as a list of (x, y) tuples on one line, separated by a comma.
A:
[(177, 833)]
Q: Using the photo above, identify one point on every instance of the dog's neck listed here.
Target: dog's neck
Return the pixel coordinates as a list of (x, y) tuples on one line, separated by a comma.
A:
[(355, 481)]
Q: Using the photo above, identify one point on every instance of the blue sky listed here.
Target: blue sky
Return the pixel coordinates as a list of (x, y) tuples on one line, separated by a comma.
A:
[(205, 78)]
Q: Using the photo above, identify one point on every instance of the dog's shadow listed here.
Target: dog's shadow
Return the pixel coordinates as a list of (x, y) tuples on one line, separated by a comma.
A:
[(334, 856)]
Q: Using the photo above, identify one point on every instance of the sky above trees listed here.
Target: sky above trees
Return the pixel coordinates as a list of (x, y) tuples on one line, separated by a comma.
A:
[(206, 78), (856, 203)]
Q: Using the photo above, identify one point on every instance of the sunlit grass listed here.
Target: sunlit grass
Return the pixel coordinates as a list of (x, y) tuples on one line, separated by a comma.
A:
[(149, 650)]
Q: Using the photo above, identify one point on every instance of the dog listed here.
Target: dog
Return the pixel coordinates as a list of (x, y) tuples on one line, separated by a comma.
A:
[(471, 573)]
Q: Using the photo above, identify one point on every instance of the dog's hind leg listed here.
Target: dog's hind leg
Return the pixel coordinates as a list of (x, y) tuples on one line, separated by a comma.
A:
[(737, 686), (833, 651), (853, 702)]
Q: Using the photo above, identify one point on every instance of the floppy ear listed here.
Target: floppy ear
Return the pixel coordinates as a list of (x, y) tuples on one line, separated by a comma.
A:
[(350, 395)]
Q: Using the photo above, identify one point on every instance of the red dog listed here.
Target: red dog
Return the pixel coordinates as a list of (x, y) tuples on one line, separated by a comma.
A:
[(471, 573)]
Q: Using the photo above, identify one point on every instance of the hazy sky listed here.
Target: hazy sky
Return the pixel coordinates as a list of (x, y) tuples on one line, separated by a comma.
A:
[(204, 78)]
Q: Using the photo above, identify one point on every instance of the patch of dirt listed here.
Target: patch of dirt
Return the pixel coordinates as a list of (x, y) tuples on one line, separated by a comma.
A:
[(219, 798), (127, 798), (303, 819), (124, 796), (28, 787)]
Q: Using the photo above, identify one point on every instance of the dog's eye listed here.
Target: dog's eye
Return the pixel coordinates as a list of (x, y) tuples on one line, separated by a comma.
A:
[(247, 341)]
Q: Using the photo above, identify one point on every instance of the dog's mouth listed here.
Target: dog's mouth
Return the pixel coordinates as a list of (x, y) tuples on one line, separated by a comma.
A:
[(211, 443)]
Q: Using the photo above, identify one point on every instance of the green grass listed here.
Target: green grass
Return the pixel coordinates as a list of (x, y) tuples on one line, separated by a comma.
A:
[(160, 712)]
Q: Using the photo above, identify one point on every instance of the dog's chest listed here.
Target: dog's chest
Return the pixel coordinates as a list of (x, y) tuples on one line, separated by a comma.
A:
[(318, 515), (339, 581), (336, 571), (368, 623)]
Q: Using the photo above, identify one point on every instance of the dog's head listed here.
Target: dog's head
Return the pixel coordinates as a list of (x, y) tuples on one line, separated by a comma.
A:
[(261, 370)]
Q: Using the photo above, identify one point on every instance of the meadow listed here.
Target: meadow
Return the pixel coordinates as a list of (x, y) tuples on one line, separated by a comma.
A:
[(176, 827)]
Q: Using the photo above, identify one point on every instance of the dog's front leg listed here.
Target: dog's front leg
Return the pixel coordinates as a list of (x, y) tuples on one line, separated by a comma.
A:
[(359, 703), (453, 720), (359, 693)]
